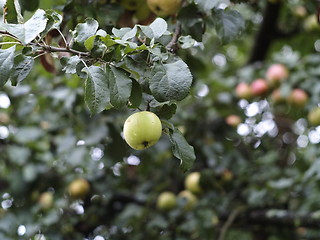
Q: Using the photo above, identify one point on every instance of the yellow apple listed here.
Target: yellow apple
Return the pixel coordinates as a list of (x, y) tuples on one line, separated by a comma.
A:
[(131, 5), (79, 188), (189, 197), (142, 130), (166, 201), (46, 200), (314, 116), (192, 182), (164, 8)]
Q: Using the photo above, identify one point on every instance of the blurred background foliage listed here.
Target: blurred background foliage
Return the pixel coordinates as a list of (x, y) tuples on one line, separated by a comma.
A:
[(259, 179)]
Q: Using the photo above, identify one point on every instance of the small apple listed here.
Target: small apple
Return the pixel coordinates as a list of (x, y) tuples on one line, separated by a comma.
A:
[(233, 120), (298, 97), (259, 87), (189, 197), (4, 118), (46, 200), (142, 130), (276, 73), (164, 8), (300, 11), (166, 201), (276, 96), (79, 188), (192, 182), (243, 90), (311, 23), (227, 175), (314, 116)]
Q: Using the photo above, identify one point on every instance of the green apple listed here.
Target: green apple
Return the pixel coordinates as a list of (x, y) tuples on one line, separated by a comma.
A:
[(314, 116), (189, 197), (164, 8), (131, 5), (46, 200), (142, 130), (79, 188), (166, 201), (192, 182)]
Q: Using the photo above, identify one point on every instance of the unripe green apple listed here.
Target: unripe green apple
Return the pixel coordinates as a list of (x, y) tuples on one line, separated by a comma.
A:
[(192, 182), (276, 73), (79, 188), (298, 97), (243, 90), (164, 8), (46, 200), (259, 87), (190, 199), (314, 116), (166, 201), (311, 23), (142, 130), (233, 120)]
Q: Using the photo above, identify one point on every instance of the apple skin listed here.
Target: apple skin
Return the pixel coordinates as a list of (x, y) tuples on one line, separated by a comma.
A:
[(164, 8), (259, 87), (190, 198), (298, 97), (311, 23), (142, 130), (79, 188), (233, 120), (314, 116), (276, 73), (166, 201), (46, 200), (243, 90), (192, 182)]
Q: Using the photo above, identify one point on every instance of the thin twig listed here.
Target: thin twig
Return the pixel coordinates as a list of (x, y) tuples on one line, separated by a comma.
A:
[(233, 215), (172, 45), (63, 38)]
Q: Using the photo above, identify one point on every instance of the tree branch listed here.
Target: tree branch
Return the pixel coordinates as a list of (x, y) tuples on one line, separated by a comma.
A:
[(172, 45), (267, 33)]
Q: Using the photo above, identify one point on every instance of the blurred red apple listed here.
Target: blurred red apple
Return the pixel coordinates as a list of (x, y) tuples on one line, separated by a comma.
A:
[(243, 90), (259, 87)]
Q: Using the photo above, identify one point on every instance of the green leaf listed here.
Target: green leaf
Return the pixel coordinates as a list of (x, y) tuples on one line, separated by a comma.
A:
[(85, 30), (120, 86), (228, 23), (130, 34), (182, 150), (22, 67), (170, 81), (6, 64), (167, 111), (13, 12), (54, 21), (97, 94), (206, 5), (29, 30), (186, 42), (159, 26), (70, 64), (136, 95)]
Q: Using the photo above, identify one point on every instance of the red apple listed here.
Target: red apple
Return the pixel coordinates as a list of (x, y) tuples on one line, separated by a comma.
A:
[(298, 97), (277, 73), (233, 120), (243, 90), (259, 87), (276, 96)]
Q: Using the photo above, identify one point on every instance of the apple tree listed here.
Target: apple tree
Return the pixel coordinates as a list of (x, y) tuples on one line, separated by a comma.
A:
[(164, 119)]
